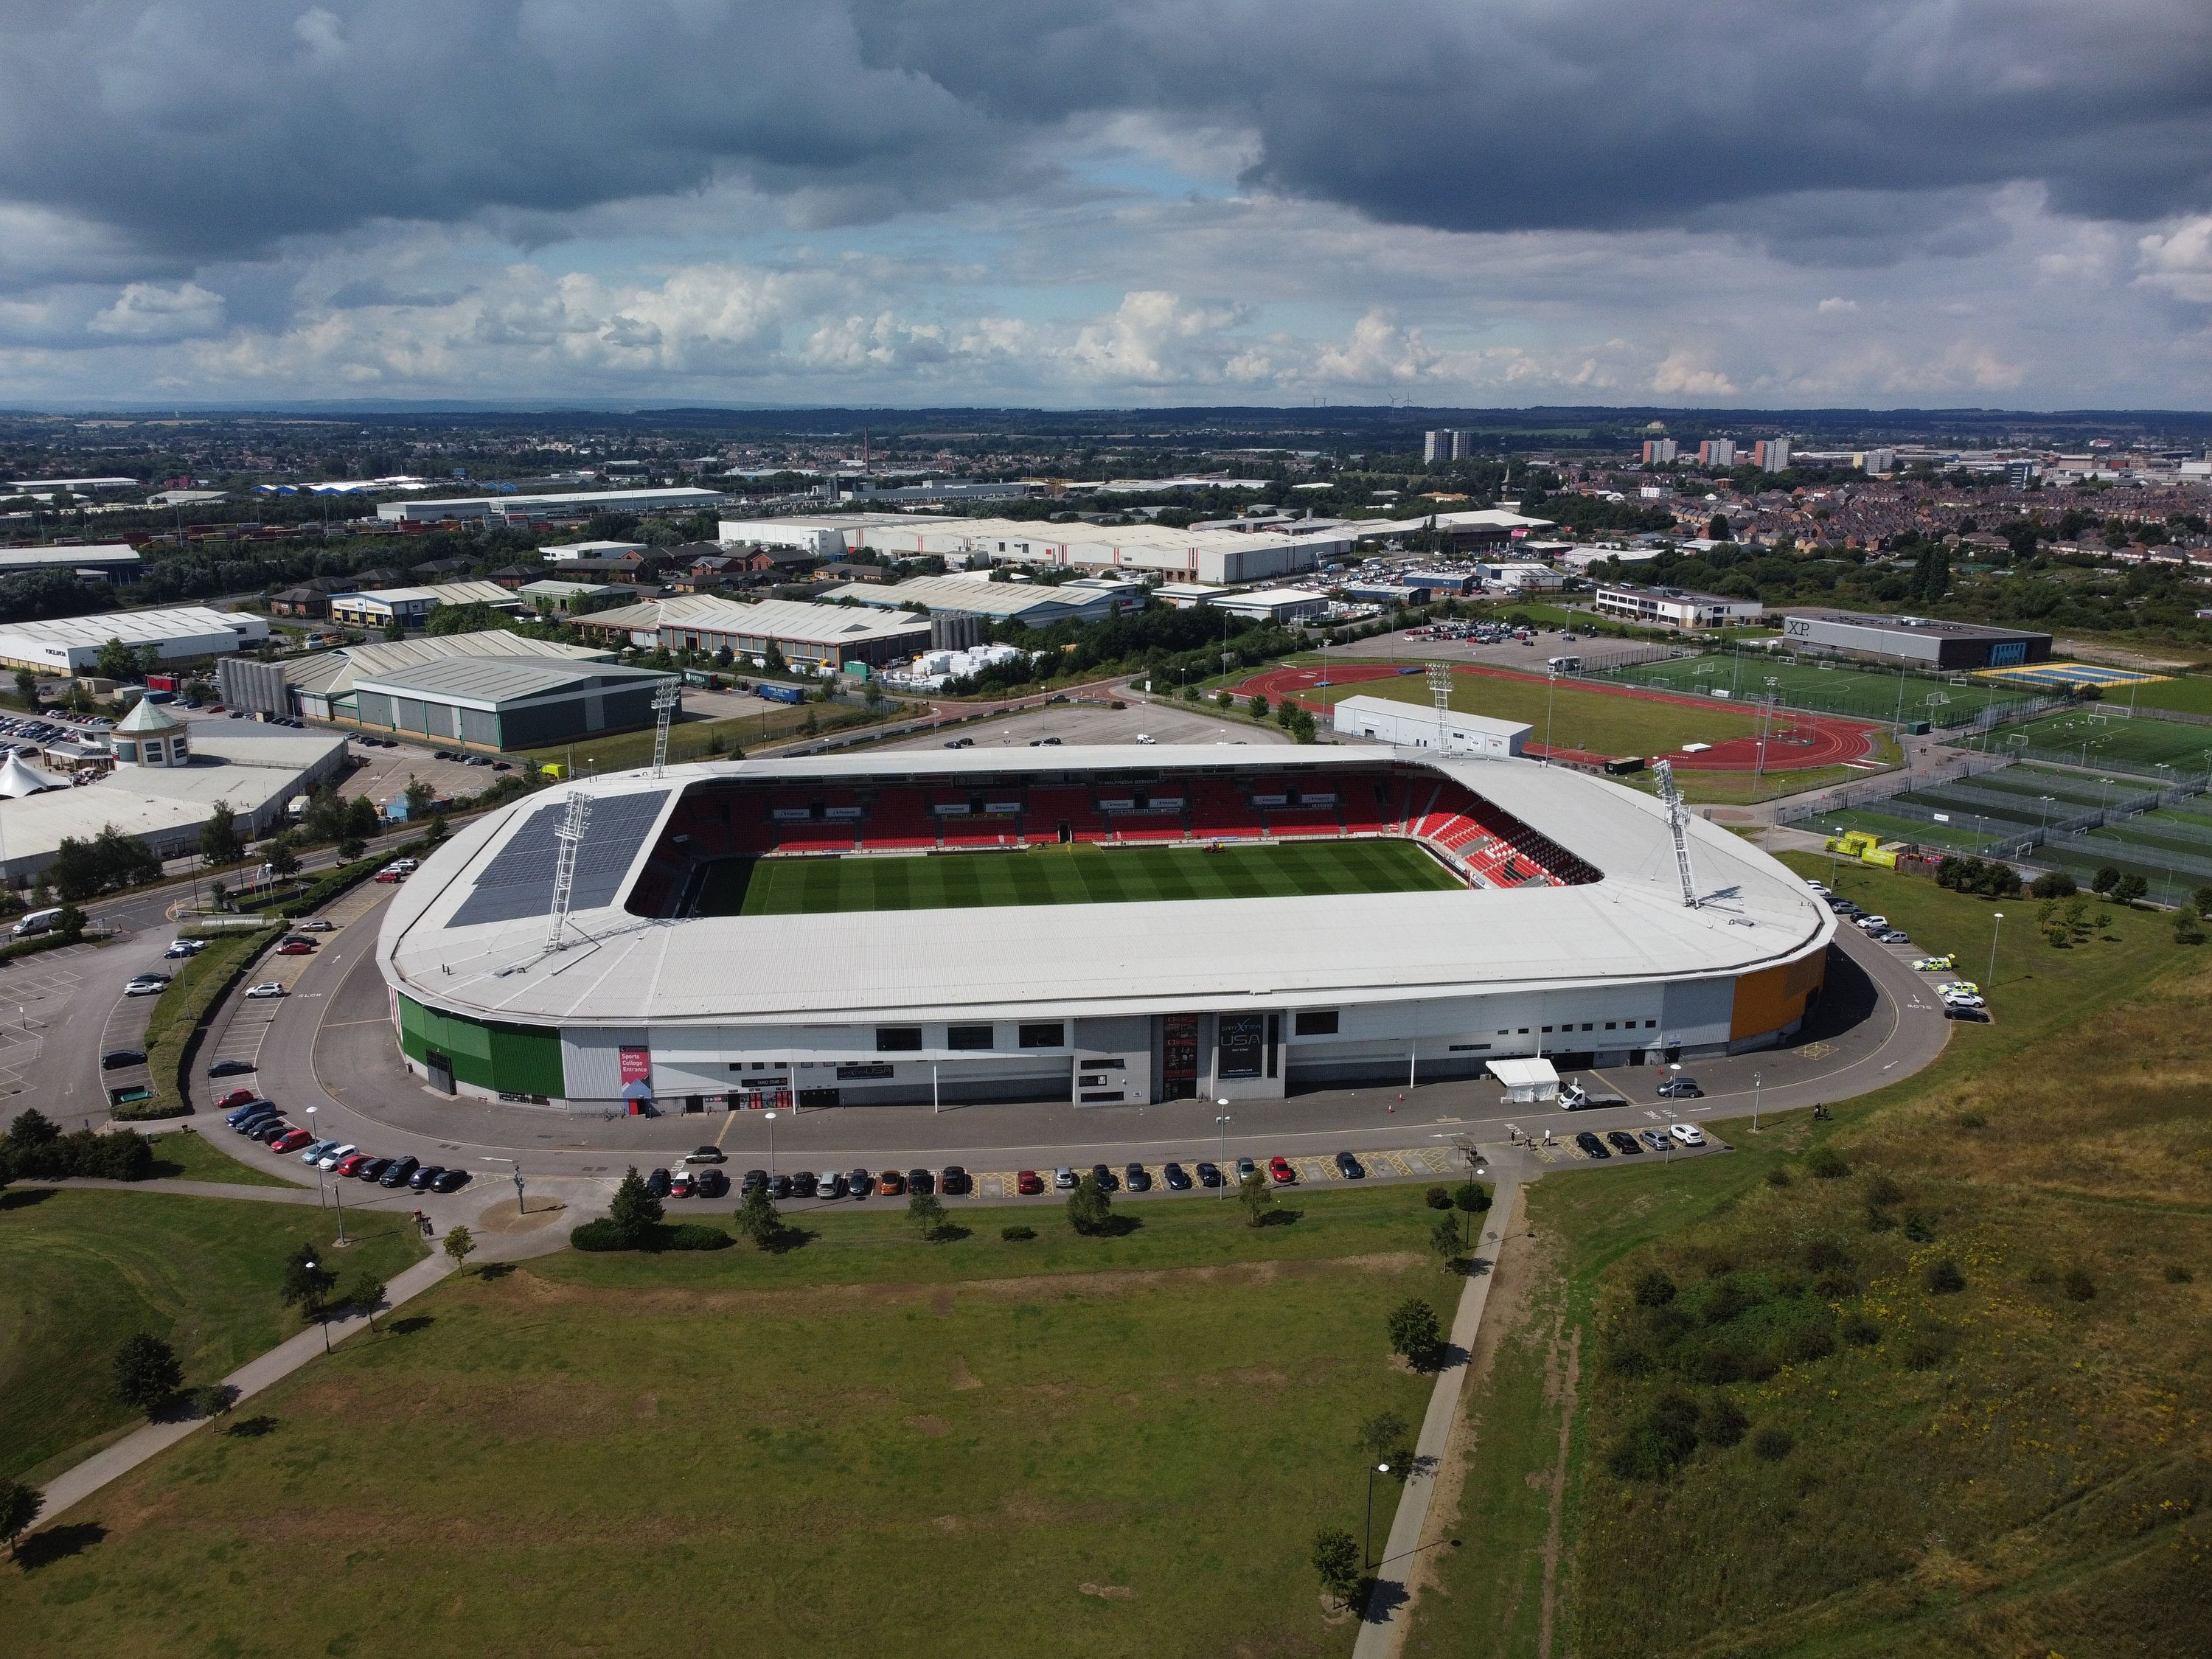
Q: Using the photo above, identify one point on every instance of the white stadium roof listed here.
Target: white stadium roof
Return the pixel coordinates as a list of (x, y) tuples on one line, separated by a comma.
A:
[(1095, 959)]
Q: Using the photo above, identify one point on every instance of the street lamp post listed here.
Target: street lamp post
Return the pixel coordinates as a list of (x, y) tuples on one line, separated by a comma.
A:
[(321, 1318), (322, 1201), (1996, 925), (1221, 1122), (1754, 1102), (770, 1117), (1367, 1550)]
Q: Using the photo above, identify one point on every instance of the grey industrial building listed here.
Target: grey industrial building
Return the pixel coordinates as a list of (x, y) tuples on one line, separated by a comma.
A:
[(509, 702), (1918, 641), (322, 686)]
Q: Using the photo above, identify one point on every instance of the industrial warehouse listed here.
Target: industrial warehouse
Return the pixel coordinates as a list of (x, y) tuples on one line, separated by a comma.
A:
[(975, 926)]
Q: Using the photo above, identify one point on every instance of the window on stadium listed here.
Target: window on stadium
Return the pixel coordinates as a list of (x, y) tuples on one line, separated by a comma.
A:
[(898, 1039), (1044, 1034), (967, 1036), (1316, 1021)]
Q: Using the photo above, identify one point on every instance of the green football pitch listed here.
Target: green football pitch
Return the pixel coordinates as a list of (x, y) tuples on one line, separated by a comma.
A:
[(1856, 693), (2094, 737), (1080, 874)]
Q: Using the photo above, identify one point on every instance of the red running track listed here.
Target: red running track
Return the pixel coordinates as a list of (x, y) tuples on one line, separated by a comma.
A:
[(1797, 741)]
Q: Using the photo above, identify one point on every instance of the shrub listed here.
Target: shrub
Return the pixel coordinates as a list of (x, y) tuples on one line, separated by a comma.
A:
[(1722, 1362), (1416, 1332), (1654, 1289), (2178, 1274), (1924, 1352), (600, 1235), (1725, 1300), (1659, 1443), (1919, 1227), (1836, 1285), (2187, 929), (1881, 1190), (692, 1236), (35, 1149), (2105, 880), (1773, 1444), (2054, 884), (1806, 1344), (1972, 1121), (1943, 1278), (1777, 1176), (1471, 1198), (146, 1374), (1437, 1198), (1880, 1221), (1631, 1356), (1824, 1252), (1826, 1163), (636, 1212), (1089, 1209), (1016, 1234), (1859, 1331), (1722, 1422), (2080, 1286)]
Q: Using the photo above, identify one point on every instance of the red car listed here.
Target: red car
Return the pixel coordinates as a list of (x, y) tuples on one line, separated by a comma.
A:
[(390, 875), (1281, 1172), (296, 947), (1029, 1183), (235, 1098), (291, 1140), (350, 1163)]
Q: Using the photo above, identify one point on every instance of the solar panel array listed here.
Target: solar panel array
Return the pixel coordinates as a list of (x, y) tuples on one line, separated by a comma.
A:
[(518, 881)]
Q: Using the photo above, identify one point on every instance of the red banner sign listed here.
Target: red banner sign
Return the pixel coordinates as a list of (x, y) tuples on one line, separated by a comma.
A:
[(636, 1066)]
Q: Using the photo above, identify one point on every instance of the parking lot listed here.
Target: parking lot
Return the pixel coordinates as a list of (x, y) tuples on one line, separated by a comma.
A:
[(386, 772)]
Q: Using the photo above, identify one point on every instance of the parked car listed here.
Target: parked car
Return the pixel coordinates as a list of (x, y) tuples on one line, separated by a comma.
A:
[(920, 1181), (1281, 1172), (709, 1182), (891, 1183), (270, 1130), (706, 1155), (291, 1140), (1960, 1011), (375, 1170), (831, 1185), (147, 985), (1028, 1183), (1350, 1167), (1936, 964), (235, 1098), (1063, 1178), (680, 1184), (1655, 1138), (1591, 1146), (779, 1188), (182, 949), (953, 1182), (450, 1180), (1892, 936), (860, 1183), (1209, 1175), (116, 1059), (296, 947), (1136, 1178), (1107, 1179), (753, 1178), (424, 1175), (253, 1112), (320, 925), (1688, 1133), (1681, 1088), (350, 1164), (1245, 1169), (390, 875), (230, 1068), (401, 1172), (267, 988), (335, 1156), (1177, 1178), (802, 1183), (1622, 1141), (657, 1183)]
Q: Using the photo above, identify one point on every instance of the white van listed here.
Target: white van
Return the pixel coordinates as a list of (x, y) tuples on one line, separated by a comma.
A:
[(38, 922)]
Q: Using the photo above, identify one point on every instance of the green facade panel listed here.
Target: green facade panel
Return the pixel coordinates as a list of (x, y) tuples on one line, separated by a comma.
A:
[(512, 1059)]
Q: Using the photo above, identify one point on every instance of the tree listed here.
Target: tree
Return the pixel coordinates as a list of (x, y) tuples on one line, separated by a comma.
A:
[(146, 1374), (2105, 880), (220, 841), (926, 1212), (366, 1294), (306, 1282), (283, 854), (1088, 1208), (1257, 1198), (636, 1211), (395, 630), (1416, 1332), (2202, 900), (2131, 889), (757, 1218), (418, 796), (27, 686), (1258, 706), (19, 1506), (473, 618), (116, 661), (2054, 884), (1716, 528), (460, 1245), (1382, 1435), (352, 848), (1336, 1559)]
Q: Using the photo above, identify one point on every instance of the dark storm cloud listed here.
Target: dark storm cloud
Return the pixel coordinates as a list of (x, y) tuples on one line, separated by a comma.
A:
[(210, 129)]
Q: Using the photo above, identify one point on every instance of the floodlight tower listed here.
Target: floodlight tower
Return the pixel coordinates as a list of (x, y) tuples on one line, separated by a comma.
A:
[(1678, 817), (568, 836), (664, 710), (1440, 678)]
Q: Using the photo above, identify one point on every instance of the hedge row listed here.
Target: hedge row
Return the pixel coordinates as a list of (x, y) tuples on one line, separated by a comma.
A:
[(34, 1149), (604, 1235), (178, 1012), (31, 947)]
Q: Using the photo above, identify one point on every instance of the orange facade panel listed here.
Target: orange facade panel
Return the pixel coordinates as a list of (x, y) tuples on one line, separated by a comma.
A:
[(1774, 997)]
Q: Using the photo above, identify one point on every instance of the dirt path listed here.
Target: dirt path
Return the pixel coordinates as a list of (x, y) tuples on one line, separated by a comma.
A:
[(1570, 1379)]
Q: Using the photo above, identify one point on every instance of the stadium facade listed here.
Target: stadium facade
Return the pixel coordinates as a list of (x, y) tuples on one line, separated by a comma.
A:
[(1545, 915)]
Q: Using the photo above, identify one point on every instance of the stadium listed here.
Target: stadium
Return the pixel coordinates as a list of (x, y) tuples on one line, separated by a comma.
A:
[(1089, 926)]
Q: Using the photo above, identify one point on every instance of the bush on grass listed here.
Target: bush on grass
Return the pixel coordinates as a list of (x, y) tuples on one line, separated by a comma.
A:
[(1777, 1176), (1826, 1163), (1824, 1252), (1773, 1444), (1836, 1285), (1721, 1421), (1416, 1332), (1943, 1278), (1880, 1190), (1924, 1351), (1659, 1442), (2080, 1286), (1436, 1198), (1015, 1234), (1654, 1289), (1860, 1331), (604, 1235), (35, 1149)]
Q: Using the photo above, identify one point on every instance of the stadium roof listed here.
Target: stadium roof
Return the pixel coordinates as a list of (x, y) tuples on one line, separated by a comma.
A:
[(446, 940)]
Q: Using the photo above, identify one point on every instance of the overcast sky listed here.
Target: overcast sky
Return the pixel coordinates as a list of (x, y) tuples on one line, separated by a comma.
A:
[(1765, 202)]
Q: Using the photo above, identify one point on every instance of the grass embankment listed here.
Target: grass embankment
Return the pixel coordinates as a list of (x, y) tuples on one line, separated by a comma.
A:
[(1074, 874), (82, 1271), (865, 1445), (2018, 1465), (177, 1011), (182, 1155)]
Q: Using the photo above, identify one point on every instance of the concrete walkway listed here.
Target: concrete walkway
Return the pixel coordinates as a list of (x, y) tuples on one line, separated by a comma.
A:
[(1382, 1631), (72, 1487)]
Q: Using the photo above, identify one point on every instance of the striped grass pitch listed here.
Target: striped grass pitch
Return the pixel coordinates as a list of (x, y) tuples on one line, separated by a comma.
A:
[(1080, 874)]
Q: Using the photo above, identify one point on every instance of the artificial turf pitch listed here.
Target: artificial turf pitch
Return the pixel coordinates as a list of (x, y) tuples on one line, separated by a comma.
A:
[(1079, 874)]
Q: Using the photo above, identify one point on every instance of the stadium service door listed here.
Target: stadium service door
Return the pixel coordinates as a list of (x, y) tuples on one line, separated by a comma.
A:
[(441, 1068), (1178, 1056)]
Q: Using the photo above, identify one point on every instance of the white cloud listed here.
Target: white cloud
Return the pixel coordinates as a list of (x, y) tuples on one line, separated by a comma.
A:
[(145, 310), (1835, 306), (2178, 261), (1682, 374)]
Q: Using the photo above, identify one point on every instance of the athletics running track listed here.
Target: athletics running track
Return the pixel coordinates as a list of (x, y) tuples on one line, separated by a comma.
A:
[(1805, 740)]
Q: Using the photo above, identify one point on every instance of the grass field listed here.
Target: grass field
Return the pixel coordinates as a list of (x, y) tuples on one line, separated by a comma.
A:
[(190, 1155), (80, 1271), (2187, 693), (1596, 722), (864, 1445), (1079, 874), (2093, 737), (2020, 1466), (1861, 693)]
